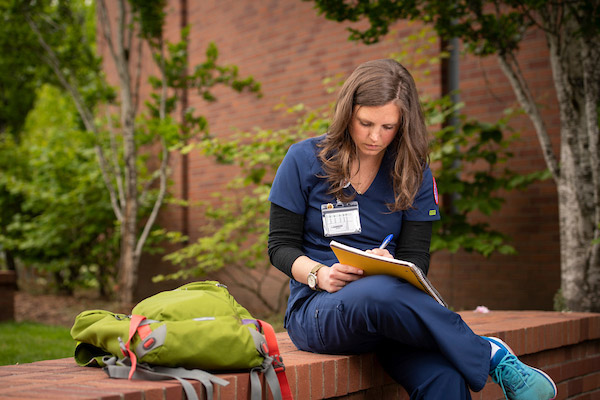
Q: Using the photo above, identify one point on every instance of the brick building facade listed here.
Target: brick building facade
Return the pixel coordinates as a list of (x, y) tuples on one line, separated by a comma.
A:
[(290, 49)]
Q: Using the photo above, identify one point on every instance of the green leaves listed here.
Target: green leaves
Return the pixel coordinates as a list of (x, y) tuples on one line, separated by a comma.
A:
[(486, 27), (63, 223), (471, 169), (381, 14), (205, 76), (469, 237), (150, 16)]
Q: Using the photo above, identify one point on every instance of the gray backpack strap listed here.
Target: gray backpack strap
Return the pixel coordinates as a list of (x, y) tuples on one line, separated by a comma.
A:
[(266, 368), (152, 341), (255, 386), (120, 370), (272, 381), (199, 375)]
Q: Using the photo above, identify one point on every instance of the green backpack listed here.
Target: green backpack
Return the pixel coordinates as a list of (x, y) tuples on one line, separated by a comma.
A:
[(179, 334)]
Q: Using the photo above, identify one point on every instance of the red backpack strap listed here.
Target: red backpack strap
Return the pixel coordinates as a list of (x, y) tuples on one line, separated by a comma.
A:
[(134, 327), (269, 333)]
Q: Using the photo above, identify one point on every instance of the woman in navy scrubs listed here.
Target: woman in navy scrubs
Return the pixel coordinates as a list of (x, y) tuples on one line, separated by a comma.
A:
[(366, 178)]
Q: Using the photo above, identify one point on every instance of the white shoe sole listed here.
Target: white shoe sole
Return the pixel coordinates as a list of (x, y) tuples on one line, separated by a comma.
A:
[(501, 343)]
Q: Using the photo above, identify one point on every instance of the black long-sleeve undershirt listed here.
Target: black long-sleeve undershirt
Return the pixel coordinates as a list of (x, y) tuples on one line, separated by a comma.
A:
[(286, 230)]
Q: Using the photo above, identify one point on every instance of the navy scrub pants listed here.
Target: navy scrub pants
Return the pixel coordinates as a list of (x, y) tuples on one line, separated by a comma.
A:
[(423, 346)]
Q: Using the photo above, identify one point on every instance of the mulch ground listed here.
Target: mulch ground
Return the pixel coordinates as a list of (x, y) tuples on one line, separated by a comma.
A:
[(54, 309)]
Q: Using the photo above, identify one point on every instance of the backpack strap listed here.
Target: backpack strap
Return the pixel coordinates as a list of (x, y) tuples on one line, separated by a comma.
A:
[(266, 368), (140, 325), (120, 369), (134, 325), (277, 364)]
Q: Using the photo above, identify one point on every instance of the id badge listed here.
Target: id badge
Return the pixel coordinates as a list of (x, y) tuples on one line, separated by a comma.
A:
[(340, 219)]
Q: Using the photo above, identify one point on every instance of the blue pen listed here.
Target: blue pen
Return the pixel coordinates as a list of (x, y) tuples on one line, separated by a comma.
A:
[(386, 241)]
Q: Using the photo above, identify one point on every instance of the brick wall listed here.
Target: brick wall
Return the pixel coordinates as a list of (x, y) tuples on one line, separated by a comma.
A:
[(565, 345), (287, 47)]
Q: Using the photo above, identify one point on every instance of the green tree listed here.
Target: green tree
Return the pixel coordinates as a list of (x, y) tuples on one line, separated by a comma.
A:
[(126, 145), (21, 69), (10, 203), (21, 73), (65, 227), (572, 31)]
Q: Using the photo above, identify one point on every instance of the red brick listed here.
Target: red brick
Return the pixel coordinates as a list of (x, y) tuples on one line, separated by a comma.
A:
[(38, 393), (366, 371), (354, 374), (591, 382), (562, 391), (342, 376), (316, 381), (150, 389), (303, 382), (329, 378), (236, 382), (173, 393)]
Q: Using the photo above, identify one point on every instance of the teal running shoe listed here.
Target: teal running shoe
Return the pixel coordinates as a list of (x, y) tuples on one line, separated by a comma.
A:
[(517, 380)]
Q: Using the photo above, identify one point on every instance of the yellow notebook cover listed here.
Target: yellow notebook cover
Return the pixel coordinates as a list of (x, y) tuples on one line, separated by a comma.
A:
[(373, 264)]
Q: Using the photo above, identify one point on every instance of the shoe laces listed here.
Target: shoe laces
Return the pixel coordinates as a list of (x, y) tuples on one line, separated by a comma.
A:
[(510, 374)]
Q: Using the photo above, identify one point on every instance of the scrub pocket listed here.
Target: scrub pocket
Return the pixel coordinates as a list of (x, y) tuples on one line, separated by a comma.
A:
[(330, 330)]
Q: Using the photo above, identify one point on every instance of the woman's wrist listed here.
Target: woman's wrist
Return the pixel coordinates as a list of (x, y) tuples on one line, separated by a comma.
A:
[(313, 276)]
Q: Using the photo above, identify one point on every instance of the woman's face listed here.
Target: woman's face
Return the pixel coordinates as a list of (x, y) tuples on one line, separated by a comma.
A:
[(373, 128)]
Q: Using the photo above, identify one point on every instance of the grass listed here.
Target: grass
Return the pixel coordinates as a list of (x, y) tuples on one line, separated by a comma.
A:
[(24, 342)]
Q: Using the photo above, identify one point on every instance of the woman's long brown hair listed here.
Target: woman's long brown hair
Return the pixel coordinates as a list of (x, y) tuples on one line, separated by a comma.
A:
[(376, 83)]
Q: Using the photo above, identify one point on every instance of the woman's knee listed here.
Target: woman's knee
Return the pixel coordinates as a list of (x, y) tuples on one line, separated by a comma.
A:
[(374, 289), (424, 374), (377, 298), (443, 383)]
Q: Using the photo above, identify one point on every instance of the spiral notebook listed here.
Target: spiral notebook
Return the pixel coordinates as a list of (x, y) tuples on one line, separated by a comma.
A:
[(373, 264)]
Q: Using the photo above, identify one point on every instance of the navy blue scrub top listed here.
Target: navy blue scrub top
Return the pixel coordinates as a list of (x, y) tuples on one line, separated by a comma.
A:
[(299, 187)]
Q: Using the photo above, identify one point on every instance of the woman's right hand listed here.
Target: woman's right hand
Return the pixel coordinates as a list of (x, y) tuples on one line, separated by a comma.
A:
[(332, 279)]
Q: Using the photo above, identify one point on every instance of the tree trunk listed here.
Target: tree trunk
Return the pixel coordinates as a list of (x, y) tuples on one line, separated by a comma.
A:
[(573, 58), (580, 270), (10, 261), (576, 84), (129, 229), (128, 263)]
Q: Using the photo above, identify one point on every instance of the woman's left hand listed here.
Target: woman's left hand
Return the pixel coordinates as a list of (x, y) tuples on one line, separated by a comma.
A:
[(332, 279), (380, 252)]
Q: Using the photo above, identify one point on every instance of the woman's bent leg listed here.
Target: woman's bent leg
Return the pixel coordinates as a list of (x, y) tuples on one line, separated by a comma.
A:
[(379, 308), (424, 374)]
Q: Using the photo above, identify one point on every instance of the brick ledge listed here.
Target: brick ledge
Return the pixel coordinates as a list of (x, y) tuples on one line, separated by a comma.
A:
[(565, 345)]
